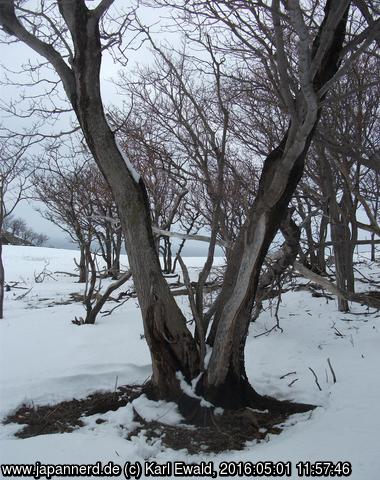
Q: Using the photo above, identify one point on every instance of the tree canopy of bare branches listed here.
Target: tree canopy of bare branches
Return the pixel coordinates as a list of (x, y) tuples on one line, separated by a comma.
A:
[(294, 53)]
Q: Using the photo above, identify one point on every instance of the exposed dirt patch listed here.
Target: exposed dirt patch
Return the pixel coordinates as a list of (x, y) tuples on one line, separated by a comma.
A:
[(66, 416), (227, 431)]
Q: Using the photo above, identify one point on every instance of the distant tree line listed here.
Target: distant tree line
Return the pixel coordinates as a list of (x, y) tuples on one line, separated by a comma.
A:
[(17, 227)]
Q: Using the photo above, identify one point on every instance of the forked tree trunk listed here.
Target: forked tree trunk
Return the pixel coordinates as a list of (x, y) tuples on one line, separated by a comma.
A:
[(225, 381), (226, 378), (172, 347)]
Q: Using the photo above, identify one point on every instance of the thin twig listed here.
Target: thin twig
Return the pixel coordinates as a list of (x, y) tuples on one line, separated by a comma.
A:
[(316, 378), (275, 327), (20, 297), (332, 370), (106, 313), (338, 333), (287, 374)]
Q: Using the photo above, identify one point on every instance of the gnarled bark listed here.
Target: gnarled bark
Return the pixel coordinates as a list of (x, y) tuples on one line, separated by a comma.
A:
[(82, 85), (226, 377), (172, 346)]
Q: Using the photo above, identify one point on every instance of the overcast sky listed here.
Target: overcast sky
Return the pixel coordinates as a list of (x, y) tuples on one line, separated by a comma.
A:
[(13, 56)]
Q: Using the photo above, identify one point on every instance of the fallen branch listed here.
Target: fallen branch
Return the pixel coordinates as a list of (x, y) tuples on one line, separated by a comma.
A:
[(66, 273), (184, 236), (20, 297), (363, 299), (9, 287), (275, 327), (40, 277), (366, 279), (206, 289), (358, 242)]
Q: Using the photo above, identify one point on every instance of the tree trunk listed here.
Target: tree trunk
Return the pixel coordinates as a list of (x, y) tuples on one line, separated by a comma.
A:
[(163, 251), (169, 256), (307, 225), (2, 281), (108, 253), (171, 344), (373, 248), (339, 237), (342, 238), (322, 243), (226, 376), (82, 266), (225, 381), (116, 255)]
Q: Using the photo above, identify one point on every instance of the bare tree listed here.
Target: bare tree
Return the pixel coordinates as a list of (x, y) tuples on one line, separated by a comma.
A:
[(93, 298), (14, 173), (62, 190), (347, 133), (104, 218), (152, 155), (301, 77), (370, 186), (18, 228), (77, 199)]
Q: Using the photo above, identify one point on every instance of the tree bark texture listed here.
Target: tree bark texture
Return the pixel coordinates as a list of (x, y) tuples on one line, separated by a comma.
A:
[(342, 238), (82, 265), (225, 380), (164, 324), (171, 345)]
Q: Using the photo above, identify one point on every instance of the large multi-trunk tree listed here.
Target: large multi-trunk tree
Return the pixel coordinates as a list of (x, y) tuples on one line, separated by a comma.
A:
[(319, 49)]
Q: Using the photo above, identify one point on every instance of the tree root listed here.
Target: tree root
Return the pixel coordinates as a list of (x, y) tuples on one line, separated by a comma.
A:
[(205, 429), (202, 412), (220, 429)]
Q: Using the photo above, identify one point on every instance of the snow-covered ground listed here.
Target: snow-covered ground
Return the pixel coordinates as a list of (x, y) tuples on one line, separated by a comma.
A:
[(46, 359)]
